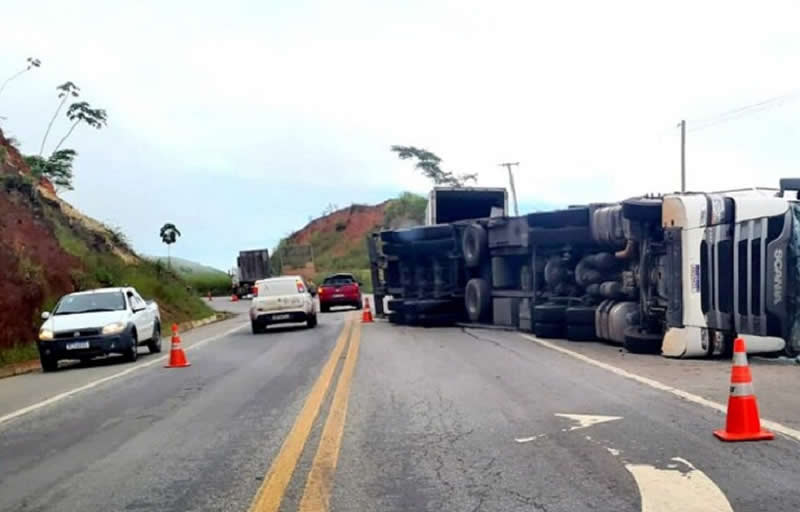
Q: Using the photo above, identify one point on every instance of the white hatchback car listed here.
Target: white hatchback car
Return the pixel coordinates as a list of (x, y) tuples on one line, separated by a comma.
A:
[(279, 300)]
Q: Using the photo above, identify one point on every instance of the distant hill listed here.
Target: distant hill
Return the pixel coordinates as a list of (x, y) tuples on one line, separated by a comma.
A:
[(201, 277), (338, 239)]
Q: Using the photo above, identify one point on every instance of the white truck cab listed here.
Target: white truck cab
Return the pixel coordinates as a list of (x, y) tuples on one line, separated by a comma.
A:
[(733, 250)]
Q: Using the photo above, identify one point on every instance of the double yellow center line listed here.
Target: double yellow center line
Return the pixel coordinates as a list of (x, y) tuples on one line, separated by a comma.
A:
[(316, 494)]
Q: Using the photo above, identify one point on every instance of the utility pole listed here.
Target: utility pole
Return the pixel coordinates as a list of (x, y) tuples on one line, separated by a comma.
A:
[(683, 156), (508, 166)]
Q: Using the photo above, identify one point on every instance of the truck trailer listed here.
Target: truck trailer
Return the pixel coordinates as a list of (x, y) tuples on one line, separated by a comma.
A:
[(251, 265), (678, 274)]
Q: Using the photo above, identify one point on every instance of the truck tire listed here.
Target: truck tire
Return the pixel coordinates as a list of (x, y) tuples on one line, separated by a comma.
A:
[(49, 364), (154, 345), (395, 305), (549, 313), (581, 332), (474, 245), (640, 209), (638, 342), (548, 330), (478, 300), (580, 315)]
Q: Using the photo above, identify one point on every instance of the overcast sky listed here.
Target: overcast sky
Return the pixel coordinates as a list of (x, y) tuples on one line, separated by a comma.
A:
[(238, 120)]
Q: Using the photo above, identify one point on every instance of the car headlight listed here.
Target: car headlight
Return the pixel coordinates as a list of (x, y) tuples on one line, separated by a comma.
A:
[(45, 335), (115, 328)]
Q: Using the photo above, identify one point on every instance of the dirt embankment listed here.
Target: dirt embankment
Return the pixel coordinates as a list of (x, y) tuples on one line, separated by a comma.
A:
[(351, 226), (48, 248)]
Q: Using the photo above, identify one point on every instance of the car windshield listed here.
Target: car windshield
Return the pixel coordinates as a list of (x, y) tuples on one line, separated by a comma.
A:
[(90, 303), (338, 280)]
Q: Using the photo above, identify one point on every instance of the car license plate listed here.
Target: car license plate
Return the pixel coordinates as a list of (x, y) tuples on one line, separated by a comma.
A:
[(77, 345), (338, 295), (280, 317)]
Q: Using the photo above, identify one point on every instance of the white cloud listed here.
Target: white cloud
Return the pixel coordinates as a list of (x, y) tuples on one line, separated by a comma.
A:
[(301, 95)]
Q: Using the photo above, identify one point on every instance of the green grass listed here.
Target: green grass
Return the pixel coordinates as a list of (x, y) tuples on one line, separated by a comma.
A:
[(18, 354)]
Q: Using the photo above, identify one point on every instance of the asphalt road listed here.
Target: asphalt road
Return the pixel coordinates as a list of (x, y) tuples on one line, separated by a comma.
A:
[(374, 417)]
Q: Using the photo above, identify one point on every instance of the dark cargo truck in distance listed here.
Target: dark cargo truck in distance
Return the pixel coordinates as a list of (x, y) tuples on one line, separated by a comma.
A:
[(251, 265)]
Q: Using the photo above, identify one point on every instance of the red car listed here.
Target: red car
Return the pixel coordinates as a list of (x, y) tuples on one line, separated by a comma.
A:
[(339, 290)]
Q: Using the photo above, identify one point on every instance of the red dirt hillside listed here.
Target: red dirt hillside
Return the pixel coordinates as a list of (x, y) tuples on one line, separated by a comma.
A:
[(48, 248), (338, 239)]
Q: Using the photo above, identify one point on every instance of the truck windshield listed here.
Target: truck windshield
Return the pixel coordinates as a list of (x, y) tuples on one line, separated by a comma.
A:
[(90, 302)]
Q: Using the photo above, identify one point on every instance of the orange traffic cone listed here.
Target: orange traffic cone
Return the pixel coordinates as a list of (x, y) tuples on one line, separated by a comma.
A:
[(366, 315), (742, 422), (177, 357)]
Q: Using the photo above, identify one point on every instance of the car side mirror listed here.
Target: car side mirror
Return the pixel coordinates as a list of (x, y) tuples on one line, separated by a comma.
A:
[(45, 315)]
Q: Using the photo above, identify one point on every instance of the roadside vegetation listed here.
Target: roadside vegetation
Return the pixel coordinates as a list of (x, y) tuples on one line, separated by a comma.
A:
[(48, 249)]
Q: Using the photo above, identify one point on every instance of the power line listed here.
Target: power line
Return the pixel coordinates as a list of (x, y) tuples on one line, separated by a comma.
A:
[(738, 113)]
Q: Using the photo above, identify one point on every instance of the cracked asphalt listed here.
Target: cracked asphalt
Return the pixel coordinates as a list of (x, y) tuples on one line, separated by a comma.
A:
[(444, 419)]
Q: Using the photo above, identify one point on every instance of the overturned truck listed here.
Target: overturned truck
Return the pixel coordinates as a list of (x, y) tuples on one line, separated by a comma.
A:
[(680, 274)]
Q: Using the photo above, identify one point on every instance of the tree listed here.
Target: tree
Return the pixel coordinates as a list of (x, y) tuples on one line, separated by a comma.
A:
[(57, 169), (428, 164), (65, 90), (169, 235), (32, 63), (81, 112)]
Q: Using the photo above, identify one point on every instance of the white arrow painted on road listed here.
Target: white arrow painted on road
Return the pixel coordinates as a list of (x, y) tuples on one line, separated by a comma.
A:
[(677, 489), (587, 420)]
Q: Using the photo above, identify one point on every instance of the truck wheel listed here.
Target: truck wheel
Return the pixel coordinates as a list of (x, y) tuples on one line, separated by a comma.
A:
[(581, 332), (580, 315), (548, 313), (642, 209), (477, 299), (132, 354), (548, 330), (474, 245), (49, 364), (638, 342), (154, 345)]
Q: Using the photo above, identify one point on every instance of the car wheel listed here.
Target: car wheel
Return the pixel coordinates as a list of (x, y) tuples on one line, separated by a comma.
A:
[(324, 308), (581, 332), (132, 354), (549, 313), (639, 342), (359, 305), (548, 330), (257, 327), (49, 364), (154, 345), (312, 321)]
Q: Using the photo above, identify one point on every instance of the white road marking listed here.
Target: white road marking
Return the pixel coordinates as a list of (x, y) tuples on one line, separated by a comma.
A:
[(66, 394), (587, 420), (529, 439), (771, 425), (613, 451), (675, 490)]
